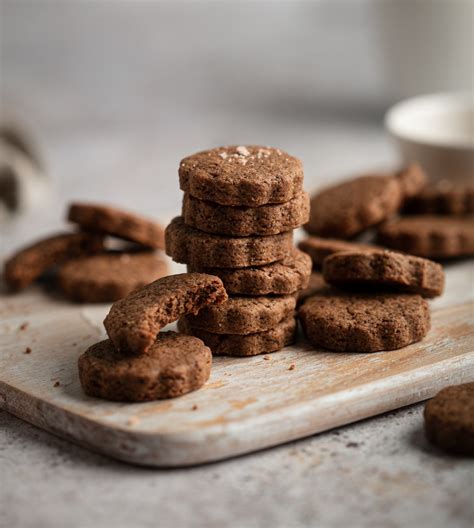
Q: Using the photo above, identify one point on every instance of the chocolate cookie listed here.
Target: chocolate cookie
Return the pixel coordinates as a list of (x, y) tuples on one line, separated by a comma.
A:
[(245, 221), (109, 277), (175, 364), (316, 284), (430, 236), (134, 322), (449, 419), (196, 248), (119, 223), (242, 175), (243, 315), (279, 278), (412, 179), (444, 198), (346, 209), (32, 261), (320, 248), (364, 323), (383, 268), (245, 345)]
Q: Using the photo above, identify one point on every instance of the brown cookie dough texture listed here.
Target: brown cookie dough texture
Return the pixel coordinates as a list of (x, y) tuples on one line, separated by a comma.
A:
[(134, 322), (444, 198), (320, 248), (412, 179), (174, 365), (119, 223), (449, 419), (364, 323), (31, 262), (187, 245), (109, 277), (383, 268), (248, 176), (245, 221), (245, 345), (346, 209), (244, 315), (316, 284), (279, 278), (430, 236)]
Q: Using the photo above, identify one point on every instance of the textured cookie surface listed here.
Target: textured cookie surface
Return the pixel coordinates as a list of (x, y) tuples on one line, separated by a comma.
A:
[(119, 223), (316, 284), (242, 175), (245, 345), (109, 277), (412, 179), (134, 322), (32, 261), (430, 236), (243, 315), (245, 221), (175, 364), (444, 198), (187, 245), (364, 323), (279, 278), (383, 268), (449, 419), (320, 248), (346, 209)]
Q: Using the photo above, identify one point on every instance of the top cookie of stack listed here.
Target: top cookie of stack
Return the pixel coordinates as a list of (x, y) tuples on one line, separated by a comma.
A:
[(240, 206)]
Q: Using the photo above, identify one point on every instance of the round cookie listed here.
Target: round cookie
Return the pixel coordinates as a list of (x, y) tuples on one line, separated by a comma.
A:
[(187, 245), (242, 175), (278, 278), (449, 419), (412, 179), (245, 345), (364, 323), (346, 209), (316, 284), (175, 365), (119, 223), (243, 315), (134, 322), (109, 276), (320, 248), (31, 262), (430, 236), (245, 221), (383, 268), (443, 198)]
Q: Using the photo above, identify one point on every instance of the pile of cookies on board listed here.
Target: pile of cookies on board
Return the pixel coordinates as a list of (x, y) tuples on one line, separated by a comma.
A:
[(377, 299), (110, 254), (240, 207)]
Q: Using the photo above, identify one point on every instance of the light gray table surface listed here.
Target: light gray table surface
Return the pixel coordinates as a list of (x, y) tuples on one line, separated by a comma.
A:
[(113, 127)]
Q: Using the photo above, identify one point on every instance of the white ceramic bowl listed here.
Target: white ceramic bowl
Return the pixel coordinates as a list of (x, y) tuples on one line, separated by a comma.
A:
[(438, 132)]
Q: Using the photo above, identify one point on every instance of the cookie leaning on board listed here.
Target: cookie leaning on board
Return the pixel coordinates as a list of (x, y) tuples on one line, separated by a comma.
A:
[(140, 363)]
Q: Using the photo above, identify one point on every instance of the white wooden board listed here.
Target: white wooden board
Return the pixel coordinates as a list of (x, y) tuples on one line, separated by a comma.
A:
[(248, 404)]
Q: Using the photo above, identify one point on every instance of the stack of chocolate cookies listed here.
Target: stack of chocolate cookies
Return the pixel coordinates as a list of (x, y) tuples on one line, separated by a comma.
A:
[(240, 207)]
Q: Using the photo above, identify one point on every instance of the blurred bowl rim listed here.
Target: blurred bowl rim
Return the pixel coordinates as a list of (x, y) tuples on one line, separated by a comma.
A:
[(449, 101)]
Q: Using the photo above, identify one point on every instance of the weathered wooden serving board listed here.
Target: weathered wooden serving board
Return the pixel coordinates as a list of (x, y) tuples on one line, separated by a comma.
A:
[(248, 404)]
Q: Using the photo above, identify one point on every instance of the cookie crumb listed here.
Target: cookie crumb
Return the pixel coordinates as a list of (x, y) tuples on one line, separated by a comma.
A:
[(352, 444), (243, 151), (56, 384), (292, 367), (27, 350), (133, 420), (266, 358), (223, 155), (23, 326), (194, 407)]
